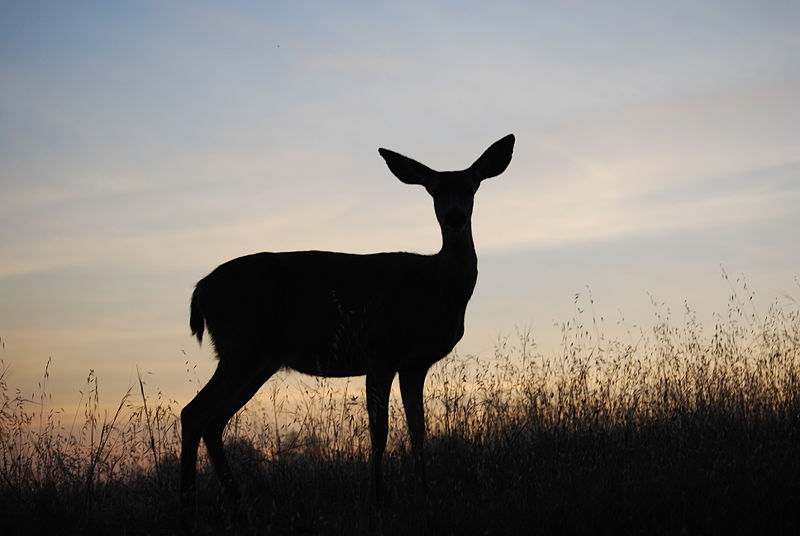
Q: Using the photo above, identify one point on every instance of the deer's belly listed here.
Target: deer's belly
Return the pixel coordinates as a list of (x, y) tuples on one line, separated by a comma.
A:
[(353, 353), (328, 364)]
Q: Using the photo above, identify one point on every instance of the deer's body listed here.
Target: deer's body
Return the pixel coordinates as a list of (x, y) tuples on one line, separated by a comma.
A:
[(306, 310), (339, 314)]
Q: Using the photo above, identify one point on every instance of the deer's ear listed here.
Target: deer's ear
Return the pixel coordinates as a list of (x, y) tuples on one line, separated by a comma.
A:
[(407, 170), (495, 159)]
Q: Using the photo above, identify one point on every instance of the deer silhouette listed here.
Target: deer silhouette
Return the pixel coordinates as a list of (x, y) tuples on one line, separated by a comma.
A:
[(339, 314)]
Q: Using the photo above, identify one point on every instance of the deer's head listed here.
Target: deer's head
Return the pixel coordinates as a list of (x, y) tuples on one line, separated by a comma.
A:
[(453, 192)]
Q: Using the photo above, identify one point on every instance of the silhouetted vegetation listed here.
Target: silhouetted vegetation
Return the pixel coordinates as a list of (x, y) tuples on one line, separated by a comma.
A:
[(674, 429)]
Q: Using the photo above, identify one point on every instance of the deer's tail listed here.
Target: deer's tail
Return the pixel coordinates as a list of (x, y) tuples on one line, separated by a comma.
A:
[(196, 320)]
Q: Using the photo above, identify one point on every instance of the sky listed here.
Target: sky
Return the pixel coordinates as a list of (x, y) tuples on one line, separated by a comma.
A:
[(144, 143)]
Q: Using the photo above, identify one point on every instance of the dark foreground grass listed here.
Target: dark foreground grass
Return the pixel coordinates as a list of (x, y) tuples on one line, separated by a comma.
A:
[(673, 432)]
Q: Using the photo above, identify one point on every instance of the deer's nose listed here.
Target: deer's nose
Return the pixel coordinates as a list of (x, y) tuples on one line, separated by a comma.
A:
[(455, 219)]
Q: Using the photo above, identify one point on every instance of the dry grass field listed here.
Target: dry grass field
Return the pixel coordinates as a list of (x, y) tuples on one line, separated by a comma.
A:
[(680, 428)]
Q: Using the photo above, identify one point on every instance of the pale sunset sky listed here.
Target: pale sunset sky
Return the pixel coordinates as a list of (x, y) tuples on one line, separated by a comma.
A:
[(144, 143)]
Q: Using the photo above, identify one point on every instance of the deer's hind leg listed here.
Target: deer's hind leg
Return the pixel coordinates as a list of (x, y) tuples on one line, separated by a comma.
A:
[(245, 385), (232, 385), (193, 423)]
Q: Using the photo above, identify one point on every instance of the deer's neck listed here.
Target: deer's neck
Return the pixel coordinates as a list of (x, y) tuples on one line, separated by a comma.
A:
[(458, 263)]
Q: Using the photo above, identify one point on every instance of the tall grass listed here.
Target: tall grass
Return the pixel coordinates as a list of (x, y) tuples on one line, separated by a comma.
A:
[(673, 429)]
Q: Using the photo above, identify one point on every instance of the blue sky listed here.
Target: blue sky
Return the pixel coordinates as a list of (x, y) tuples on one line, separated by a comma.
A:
[(144, 143)]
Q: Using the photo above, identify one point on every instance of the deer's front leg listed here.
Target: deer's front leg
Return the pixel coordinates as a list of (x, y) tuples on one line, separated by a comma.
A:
[(412, 382), (378, 385)]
